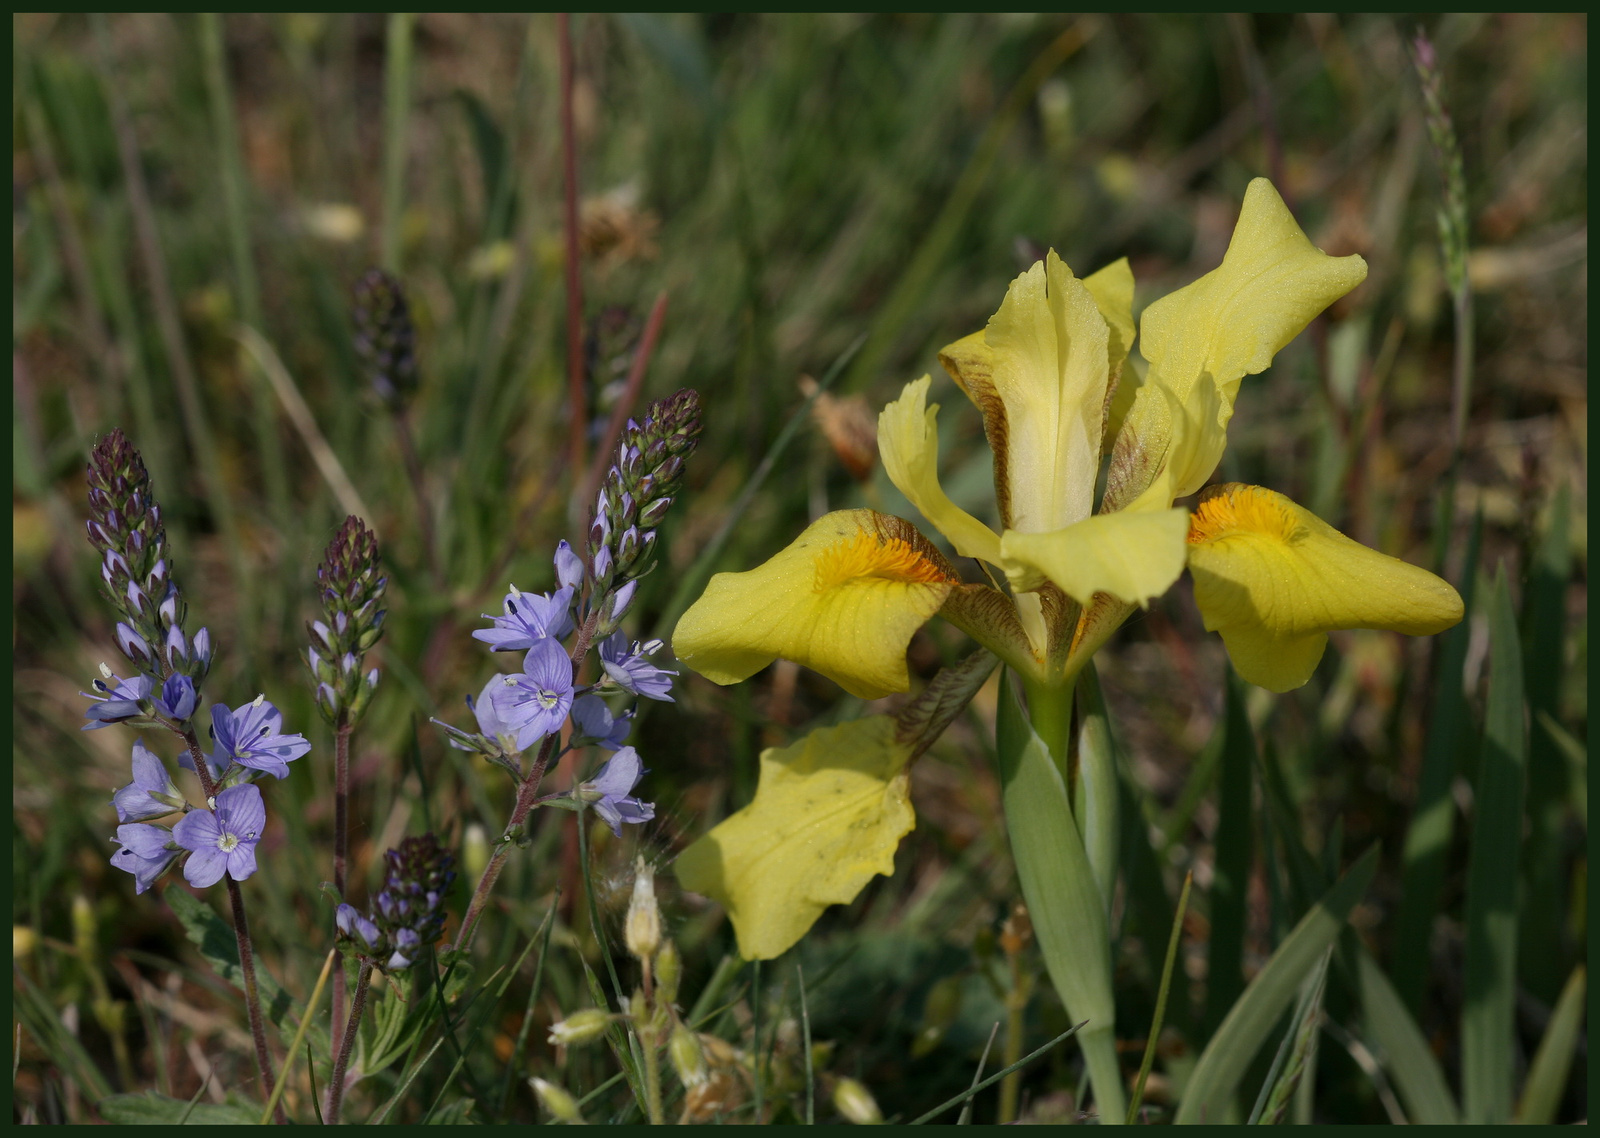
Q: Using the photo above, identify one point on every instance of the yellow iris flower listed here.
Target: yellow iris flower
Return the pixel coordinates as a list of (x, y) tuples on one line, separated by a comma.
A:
[(1047, 375)]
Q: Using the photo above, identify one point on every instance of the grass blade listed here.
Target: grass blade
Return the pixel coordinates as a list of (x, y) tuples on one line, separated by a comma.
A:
[(1403, 1048), (1225, 955), (1161, 1000), (1487, 1021), (396, 115), (991, 1080), (1230, 1051), (1547, 1075), (1433, 820), (299, 1038), (1295, 1051)]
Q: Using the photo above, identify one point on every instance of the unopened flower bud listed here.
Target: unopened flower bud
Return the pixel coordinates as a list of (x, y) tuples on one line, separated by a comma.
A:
[(561, 1105), (580, 1027), (856, 1103), (688, 1060), (474, 850), (642, 928), (669, 972)]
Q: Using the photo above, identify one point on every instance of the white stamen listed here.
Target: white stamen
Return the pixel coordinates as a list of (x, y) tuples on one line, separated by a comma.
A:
[(105, 670), (259, 700)]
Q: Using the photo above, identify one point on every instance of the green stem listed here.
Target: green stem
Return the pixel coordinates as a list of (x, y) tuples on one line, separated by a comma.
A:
[(652, 1076)]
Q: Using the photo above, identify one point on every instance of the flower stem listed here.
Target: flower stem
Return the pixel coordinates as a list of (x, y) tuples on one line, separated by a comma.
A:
[(241, 932), (341, 845), (527, 797), (652, 1075), (342, 1061)]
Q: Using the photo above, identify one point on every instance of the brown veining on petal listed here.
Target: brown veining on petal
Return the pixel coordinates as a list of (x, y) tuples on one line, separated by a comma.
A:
[(971, 365), (989, 617)]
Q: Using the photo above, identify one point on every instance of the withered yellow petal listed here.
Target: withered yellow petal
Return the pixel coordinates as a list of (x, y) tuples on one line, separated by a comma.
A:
[(1132, 555), (1231, 322), (908, 442), (1273, 579), (843, 599), (828, 814)]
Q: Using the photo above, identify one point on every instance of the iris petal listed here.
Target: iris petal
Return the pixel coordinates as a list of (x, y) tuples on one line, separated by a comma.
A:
[(1273, 579), (843, 599)]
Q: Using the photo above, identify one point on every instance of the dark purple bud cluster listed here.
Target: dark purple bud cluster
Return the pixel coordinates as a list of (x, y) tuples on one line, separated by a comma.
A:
[(408, 913), (350, 584), (135, 570), (386, 339), (635, 496)]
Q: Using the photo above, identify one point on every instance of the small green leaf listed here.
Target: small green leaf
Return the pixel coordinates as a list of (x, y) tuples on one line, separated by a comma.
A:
[(1547, 1075), (1487, 1021), (1228, 1055), (151, 1109), (1231, 878)]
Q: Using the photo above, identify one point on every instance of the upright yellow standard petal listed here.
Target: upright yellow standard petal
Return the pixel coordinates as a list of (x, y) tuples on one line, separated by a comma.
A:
[(828, 814), (1273, 579), (908, 441), (843, 599), (1050, 347), (1112, 289), (1231, 322), (1131, 555)]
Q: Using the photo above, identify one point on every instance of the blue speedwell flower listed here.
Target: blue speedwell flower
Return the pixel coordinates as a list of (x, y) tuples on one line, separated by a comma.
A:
[(151, 794), (608, 791), (116, 699), (529, 618), (629, 669), (539, 697), (252, 736), (147, 852), (356, 926), (594, 722), (224, 842)]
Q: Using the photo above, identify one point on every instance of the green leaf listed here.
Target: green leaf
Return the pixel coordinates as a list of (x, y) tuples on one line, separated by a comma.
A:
[(1230, 1051), (1059, 887), (216, 942), (1097, 776), (1433, 820), (458, 1113), (1231, 877), (1487, 1021), (1403, 1049), (1547, 1075), (151, 1109)]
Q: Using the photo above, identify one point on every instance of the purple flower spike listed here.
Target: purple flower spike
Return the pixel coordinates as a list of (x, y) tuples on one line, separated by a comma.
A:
[(224, 842), (539, 698), (529, 618), (629, 669), (593, 720), (117, 699), (252, 736), (147, 852), (151, 794), (569, 567), (609, 791), (178, 699)]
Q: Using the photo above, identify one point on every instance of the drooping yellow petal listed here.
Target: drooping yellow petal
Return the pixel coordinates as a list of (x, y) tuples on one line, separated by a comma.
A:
[(1231, 322), (828, 814), (908, 441), (1132, 555), (1273, 579), (843, 599)]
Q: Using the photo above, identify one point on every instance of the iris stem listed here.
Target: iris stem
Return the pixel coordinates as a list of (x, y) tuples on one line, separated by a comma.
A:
[(342, 1061), (241, 933)]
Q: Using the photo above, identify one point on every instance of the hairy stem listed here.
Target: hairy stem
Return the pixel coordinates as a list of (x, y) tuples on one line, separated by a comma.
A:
[(341, 1061), (652, 1075), (341, 844)]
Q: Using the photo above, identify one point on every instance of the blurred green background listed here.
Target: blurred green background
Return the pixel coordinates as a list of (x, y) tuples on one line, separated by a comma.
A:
[(194, 197)]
